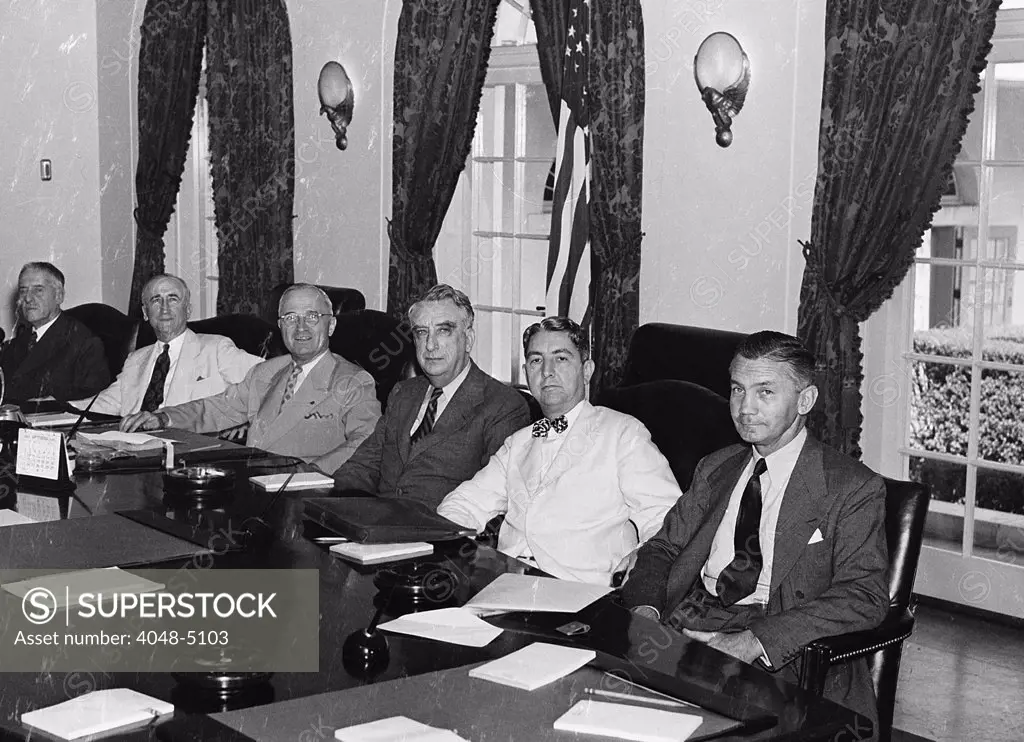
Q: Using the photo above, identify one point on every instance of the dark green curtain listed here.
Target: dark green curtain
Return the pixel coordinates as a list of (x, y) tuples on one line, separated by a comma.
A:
[(617, 95), (900, 79), (170, 61), (440, 63), (252, 148)]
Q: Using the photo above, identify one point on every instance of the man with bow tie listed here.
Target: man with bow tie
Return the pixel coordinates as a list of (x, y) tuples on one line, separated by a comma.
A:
[(180, 366), (440, 428), (582, 487), (777, 542), (311, 403)]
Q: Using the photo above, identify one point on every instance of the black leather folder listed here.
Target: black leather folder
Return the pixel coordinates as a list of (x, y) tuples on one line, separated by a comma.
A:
[(381, 520)]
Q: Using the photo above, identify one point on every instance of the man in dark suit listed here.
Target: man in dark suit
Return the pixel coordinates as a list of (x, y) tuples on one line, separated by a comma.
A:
[(776, 543), (52, 355), (441, 428)]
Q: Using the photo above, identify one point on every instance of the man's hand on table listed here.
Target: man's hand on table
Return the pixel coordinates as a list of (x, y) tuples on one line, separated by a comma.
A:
[(144, 421), (740, 644)]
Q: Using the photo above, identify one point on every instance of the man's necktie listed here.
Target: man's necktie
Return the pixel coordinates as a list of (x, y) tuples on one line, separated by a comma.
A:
[(155, 391), (289, 388), (739, 578), (428, 417), (30, 343), (542, 426)]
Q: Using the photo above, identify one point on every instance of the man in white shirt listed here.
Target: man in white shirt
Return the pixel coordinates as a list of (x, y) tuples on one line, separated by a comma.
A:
[(311, 403), (582, 487), (776, 543), (180, 366)]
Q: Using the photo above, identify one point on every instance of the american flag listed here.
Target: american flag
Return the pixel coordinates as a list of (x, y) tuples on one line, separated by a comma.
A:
[(568, 286)]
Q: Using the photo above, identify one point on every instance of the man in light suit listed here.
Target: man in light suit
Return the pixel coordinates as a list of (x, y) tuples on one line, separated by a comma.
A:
[(52, 354), (776, 543), (180, 367), (581, 487), (439, 429), (311, 404)]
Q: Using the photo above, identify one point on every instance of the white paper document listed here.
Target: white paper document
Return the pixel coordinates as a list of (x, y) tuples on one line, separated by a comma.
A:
[(626, 721), (452, 625), (67, 587), (300, 481), (534, 666), (116, 439), (379, 553), (96, 712), (395, 729), (52, 419), (511, 592), (12, 518)]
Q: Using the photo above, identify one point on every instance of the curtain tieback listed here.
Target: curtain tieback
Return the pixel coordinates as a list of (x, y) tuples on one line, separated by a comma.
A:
[(149, 231), (401, 250)]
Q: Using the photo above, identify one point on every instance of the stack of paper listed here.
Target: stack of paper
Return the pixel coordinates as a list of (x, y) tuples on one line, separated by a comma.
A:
[(299, 481), (626, 721), (124, 441), (452, 625), (378, 553), (52, 419), (511, 592), (395, 729), (96, 712), (12, 518), (534, 666)]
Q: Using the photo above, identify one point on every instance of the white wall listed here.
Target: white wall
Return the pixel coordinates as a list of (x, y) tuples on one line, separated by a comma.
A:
[(48, 85), (722, 224), (342, 198)]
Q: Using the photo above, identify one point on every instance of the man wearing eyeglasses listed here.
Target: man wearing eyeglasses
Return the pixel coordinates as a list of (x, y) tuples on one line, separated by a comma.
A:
[(311, 404), (180, 366)]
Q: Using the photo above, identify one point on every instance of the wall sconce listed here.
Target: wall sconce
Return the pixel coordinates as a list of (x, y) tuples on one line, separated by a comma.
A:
[(336, 100), (722, 72)]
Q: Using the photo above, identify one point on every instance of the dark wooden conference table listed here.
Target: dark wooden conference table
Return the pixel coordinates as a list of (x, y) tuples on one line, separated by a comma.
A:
[(348, 599)]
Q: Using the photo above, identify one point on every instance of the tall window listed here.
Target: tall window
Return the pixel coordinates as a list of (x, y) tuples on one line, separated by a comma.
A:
[(953, 383), (493, 244)]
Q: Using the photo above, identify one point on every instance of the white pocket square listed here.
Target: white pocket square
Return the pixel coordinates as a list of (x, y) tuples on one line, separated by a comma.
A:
[(816, 537)]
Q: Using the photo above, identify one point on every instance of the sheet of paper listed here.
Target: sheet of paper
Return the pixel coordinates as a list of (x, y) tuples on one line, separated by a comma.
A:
[(451, 625), (96, 712), (116, 438), (627, 721), (379, 553), (300, 481), (12, 518), (39, 453), (52, 419), (39, 508), (395, 729), (67, 587), (534, 666), (511, 592)]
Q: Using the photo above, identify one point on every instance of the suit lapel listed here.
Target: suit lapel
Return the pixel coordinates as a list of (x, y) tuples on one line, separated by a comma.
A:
[(577, 441), (272, 400), (315, 388), (406, 415), (55, 337), (800, 512), (461, 406), (138, 378), (185, 368)]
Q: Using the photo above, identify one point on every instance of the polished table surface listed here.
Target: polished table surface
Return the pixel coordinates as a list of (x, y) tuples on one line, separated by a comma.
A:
[(348, 601)]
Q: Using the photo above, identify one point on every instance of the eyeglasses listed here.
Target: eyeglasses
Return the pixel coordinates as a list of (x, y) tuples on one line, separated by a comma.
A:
[(310, 318)]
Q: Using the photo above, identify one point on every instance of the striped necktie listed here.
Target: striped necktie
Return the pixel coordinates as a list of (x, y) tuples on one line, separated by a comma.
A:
[(428, 417), (154, 396), (739, 578), (289, 388)]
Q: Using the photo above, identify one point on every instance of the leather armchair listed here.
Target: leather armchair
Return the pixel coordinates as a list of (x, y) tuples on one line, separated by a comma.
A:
[(249, 332), (906, 505), (342, 300), (377, 342), (117, 331)]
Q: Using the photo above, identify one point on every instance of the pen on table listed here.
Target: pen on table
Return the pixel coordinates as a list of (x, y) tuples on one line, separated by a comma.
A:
[(201, 448), (641, 699)]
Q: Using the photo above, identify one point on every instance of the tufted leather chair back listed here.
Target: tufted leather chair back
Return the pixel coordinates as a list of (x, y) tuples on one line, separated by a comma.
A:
[(117, 331), (342, 300), (249, 332)]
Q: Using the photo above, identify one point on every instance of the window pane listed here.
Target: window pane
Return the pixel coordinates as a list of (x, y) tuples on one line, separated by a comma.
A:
[(533, 274), (536, 212), (970, 148), (943, 313), (1000, 300), (493, 343), (939, 407), (944, 526), (496, 122), (1001, 435), (540, 127), (1009, 111), (495, 197), (488, 273), (999, 516)]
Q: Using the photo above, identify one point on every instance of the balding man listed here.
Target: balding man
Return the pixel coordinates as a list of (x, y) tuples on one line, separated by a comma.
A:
[(311, 404), (51, 354), (180, 366)]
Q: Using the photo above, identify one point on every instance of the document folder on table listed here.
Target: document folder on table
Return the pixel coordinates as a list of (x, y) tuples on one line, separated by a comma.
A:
[(381, 520)]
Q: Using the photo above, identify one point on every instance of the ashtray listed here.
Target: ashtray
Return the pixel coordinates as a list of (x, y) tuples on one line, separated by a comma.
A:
[(199, 478)]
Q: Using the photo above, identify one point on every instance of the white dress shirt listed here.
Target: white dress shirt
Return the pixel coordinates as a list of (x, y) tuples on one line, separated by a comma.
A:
[(41, 330), (447, 392), (305, 368), (773, 486), (173, 354)]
